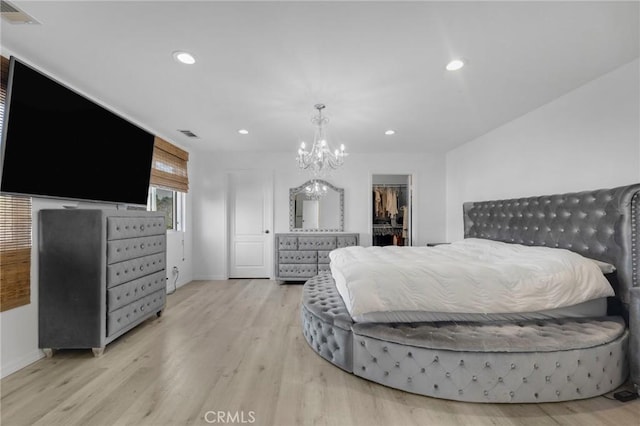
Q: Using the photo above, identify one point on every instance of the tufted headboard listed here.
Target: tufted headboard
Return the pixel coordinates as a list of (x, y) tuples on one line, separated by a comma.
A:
[(602, 224)]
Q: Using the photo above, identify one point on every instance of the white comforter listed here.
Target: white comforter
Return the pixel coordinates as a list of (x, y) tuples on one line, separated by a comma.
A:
[(468, 276)]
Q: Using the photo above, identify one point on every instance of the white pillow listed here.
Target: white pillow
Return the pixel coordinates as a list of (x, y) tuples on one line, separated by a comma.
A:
[(605, 267)]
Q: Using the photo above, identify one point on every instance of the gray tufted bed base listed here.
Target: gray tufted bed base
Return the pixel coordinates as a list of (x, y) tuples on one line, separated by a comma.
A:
[(505, 362), (541, 361)]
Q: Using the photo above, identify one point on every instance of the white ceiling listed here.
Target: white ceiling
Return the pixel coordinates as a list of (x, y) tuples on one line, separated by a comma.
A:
[(376, 65)]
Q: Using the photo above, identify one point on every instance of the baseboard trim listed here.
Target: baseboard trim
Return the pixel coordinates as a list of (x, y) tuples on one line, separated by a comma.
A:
[(21, 363), (210, 278)]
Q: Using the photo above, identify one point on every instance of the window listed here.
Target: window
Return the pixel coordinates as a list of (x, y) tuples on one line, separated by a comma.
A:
[(165, 201), (169, 183), (172, 203), (15, 251), (15, 234)]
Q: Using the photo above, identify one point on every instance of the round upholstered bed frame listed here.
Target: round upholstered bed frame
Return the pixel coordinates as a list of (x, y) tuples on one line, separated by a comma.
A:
[(511, 361)]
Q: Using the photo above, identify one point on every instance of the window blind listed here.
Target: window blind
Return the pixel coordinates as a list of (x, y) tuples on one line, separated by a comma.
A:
[(169, 168), (15, 251), (15, 233)]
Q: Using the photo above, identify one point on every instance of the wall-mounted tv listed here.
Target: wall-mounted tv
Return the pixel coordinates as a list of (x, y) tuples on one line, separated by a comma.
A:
[(57, 143)]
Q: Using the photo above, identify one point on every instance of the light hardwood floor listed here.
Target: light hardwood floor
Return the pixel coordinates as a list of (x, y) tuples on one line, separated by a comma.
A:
[(235, 349)]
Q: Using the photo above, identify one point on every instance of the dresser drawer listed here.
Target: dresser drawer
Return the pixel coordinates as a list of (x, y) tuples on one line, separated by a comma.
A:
[(346, 241), (130, 248), (299, 256), (119, 319), (297, 270), (323, 267), (287, 243), (323, 256), (132, 227), (316, 243), (128, 270), (126, 293)]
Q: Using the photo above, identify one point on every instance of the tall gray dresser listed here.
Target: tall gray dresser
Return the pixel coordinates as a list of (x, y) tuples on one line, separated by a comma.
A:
[(101, 273), (300, 256)]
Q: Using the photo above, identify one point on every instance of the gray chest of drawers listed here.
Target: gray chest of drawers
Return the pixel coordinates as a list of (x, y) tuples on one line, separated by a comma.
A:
[(101, 273), (299, 257)]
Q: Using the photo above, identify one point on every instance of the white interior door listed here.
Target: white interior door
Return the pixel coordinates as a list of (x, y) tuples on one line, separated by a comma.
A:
[(310, 214), (251, 223)]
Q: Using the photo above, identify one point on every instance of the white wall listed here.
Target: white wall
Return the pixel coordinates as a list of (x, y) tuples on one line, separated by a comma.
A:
[(209, 193), (586, 139)]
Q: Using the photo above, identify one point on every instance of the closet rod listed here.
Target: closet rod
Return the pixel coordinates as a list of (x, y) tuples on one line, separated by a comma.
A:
[(390, 185)]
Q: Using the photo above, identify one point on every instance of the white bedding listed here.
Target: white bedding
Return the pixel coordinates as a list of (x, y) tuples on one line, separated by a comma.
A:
[(472, 276)]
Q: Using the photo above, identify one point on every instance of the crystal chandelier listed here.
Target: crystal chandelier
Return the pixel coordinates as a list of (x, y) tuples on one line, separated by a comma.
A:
[(320, 159), (315, 190)]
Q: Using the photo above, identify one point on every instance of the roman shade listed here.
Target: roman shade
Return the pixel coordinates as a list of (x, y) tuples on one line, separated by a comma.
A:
[(15, 251), (169, 167)]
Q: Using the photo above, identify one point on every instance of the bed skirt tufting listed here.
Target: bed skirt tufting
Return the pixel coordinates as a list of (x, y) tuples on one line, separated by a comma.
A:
[(535, 361)]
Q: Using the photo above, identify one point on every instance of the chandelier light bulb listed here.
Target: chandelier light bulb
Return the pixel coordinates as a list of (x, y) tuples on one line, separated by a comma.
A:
[(302, 145)]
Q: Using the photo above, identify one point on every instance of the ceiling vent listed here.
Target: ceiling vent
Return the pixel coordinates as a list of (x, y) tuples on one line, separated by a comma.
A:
[(188, 133), (14, 15)]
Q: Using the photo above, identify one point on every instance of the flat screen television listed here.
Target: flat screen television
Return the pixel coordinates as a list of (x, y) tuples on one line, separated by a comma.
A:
[(57, 143)]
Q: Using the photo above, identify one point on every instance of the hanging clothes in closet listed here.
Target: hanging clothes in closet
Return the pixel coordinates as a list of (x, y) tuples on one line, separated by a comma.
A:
[(389, 211), (405, 221), (386, 201), (392, 202)]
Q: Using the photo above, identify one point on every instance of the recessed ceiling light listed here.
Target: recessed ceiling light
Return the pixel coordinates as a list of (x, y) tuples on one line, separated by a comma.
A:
[(243, 131), (390, 132), (184, 57), (455, 65)]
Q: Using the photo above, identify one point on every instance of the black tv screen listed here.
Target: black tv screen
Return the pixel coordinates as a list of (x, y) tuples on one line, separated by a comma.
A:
[(57, 143)]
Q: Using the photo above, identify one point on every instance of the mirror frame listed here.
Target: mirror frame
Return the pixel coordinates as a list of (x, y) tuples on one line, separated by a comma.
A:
[(292, 209)]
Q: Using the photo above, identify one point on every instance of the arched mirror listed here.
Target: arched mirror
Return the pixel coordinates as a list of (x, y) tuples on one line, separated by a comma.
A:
[(316, 206)]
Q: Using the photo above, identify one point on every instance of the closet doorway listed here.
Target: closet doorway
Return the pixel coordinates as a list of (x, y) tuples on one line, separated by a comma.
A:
[(391, 210)]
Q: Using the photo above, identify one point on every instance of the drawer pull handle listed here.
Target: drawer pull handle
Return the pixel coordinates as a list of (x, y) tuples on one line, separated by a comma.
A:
[(142, 246), (141, 227), (141, 268)]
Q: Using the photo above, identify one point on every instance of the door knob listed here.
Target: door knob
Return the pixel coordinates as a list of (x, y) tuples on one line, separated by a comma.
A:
[(266, 232)]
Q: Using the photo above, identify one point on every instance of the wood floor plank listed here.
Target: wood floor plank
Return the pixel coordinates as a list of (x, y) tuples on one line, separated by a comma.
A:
[(235, 349)]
